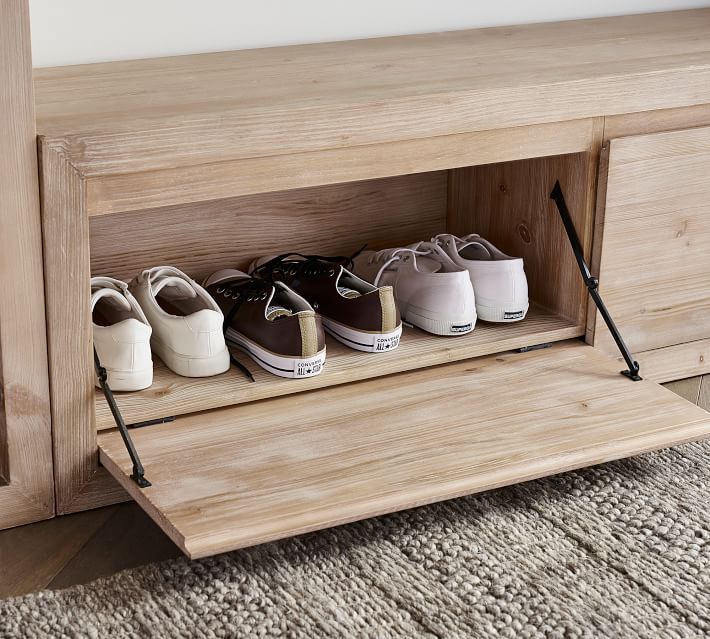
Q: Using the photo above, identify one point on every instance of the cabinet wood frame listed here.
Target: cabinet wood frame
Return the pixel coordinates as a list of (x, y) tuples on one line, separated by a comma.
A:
[(26, 481)]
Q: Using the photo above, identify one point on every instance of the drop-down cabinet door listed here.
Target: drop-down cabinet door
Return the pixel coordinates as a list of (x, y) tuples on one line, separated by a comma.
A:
[(654, 259), (251, 473)]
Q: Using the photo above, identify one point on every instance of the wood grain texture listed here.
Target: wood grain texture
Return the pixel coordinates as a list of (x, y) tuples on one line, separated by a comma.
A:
[(201, 182), (65, 227), (126, 539), (330, 220), (171, 394), (241, 476), (617, 126), (32, 556), (132, 116), (674, 362), (655, 260), (25, 430), (509, 204)]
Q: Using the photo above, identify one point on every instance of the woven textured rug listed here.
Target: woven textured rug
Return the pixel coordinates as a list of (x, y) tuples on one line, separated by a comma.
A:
[(620, 550)]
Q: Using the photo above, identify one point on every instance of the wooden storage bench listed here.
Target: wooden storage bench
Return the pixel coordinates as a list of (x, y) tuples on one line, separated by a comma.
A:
[(205, 162)]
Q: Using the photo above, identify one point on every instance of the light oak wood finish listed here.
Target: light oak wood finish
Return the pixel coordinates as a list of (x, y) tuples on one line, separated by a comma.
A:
[(249, 474), (331, 220), (135, 191), (509, 204), (25, 437), (125, 117), (617, 126), (654, 267), (171, 394), (674, 362), (78, 481), (120, 537)]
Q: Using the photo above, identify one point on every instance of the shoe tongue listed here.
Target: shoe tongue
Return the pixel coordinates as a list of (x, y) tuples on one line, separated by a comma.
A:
[(178, 287), (111, 294)]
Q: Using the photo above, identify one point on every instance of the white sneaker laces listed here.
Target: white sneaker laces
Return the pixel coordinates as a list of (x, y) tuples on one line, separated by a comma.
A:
[(394, 255)]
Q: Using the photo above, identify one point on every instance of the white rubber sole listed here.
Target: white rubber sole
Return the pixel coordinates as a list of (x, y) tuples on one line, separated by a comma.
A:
[(502, 314), (363, 340), (281, 365), (124, 381), (438, 324), (192, 366)]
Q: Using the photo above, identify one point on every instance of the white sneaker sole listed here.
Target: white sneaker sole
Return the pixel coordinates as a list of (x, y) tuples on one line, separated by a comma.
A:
[(502, 314), (439, 324), (192, 366), (128, 380), (281, 365), (363, 340)]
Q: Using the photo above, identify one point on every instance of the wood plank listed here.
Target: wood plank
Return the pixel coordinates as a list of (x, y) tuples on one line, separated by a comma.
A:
[(33, 555), (127, 539), (171, 394), (126, 117), (240, 476), (26, 492), (655, 263), (674, 362), (330, 220), (135, 191), (617, 126), (65, 229), (509, 204)]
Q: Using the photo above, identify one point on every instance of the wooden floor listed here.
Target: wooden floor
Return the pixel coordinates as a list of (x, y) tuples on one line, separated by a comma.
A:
[(76, 549)]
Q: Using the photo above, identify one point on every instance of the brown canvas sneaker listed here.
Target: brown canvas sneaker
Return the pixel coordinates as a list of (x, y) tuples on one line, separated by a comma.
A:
[(356, 313), (276, 327)]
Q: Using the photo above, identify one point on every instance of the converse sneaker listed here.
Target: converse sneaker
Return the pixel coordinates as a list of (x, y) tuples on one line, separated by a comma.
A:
[(498, 279), (186, 321), (276, 327), (121, 335), (356, 313), (432, 292)]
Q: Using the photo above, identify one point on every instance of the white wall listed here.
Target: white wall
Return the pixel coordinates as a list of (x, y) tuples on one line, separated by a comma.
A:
[(78, 31)]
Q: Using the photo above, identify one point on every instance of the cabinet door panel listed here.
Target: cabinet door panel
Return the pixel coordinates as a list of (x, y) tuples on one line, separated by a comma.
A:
[(654, 270)]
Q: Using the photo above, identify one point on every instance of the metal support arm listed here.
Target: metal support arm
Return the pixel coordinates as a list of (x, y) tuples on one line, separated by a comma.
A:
[(592, 283), (138, 474)]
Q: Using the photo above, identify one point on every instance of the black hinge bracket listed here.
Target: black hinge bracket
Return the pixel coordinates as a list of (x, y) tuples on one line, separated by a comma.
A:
[(592, 283), (138, 474), (533, 347)]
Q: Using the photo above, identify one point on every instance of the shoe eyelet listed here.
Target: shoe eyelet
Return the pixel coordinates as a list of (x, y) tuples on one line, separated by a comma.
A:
[(331, 273), (315, 306), (220, 289)]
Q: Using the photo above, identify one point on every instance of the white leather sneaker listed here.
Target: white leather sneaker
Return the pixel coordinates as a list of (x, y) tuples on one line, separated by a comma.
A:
[(431, 291), (121, 335), (186, 321), (498, 279)]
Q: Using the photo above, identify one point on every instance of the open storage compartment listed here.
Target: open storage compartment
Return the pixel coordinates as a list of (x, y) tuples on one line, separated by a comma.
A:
[(436, 418), (507, 203)]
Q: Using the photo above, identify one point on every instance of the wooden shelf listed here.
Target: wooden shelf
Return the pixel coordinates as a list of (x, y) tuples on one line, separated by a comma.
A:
[(249, 474), (171, 394)]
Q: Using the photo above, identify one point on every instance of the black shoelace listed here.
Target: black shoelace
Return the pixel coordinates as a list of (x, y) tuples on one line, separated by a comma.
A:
[(308, 264), (242, 290)]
